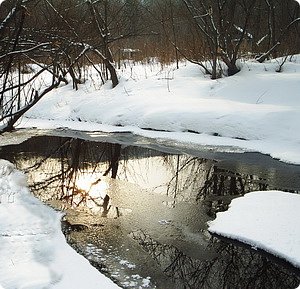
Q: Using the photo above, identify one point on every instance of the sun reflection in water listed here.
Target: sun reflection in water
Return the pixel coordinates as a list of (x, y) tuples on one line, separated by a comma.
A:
[(90, 191), (92, 185)]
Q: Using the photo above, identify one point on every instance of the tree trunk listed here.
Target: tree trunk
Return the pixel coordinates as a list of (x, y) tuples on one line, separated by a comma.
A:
[(232, 69), (111, 68)]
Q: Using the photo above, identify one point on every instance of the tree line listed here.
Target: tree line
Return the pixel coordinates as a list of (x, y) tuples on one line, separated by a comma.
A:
[(64, 37)]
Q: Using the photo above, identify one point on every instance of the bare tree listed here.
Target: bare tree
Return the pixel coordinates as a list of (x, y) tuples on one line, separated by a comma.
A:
[(224, 25), (282, 30), (46, 34)]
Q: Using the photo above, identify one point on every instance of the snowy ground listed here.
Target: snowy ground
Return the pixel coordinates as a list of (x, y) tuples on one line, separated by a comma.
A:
[(256, 110), (34, 253), (264, 220)]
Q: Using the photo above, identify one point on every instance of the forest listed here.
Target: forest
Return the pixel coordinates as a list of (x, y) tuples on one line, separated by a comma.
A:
[(68, 38)]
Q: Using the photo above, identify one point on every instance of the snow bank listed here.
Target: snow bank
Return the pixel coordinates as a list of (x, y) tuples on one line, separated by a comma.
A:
[(34, 253), (266, 220), (257, 109)]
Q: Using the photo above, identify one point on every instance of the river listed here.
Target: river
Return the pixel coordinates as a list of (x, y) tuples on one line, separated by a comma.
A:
[(138, 208)]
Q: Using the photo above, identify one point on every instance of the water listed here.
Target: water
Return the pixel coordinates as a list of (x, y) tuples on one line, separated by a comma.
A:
[(138, 209)]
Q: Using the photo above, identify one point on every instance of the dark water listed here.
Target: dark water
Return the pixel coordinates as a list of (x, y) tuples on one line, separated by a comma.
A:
[(139, 212)]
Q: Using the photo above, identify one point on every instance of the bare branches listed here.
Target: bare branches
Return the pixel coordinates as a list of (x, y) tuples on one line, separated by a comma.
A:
[(283, 34), (24, 51), (14, 116), (62, 18), (64, 37), (10, 16)]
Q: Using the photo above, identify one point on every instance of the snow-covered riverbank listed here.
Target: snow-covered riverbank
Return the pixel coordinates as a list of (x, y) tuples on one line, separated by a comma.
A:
[(34, 253), (264, 220), (257, 109)]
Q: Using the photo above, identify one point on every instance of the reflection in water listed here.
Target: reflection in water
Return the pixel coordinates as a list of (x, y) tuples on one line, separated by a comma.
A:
[(232, 267), (149, 207), (74, 173)]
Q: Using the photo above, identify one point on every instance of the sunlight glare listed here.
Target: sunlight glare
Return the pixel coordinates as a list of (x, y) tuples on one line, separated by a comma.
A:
[(93, 185)]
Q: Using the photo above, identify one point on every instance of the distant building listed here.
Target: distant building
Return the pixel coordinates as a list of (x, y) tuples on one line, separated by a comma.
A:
[(129, 53)]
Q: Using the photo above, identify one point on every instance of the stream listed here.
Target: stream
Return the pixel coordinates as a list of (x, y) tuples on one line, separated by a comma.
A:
[(138, 208)]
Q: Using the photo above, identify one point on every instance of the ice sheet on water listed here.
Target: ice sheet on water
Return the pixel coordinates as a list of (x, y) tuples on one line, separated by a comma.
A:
[(265, 220)]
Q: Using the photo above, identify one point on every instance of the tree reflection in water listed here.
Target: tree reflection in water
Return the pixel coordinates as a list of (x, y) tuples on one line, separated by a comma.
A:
[(77, 173), (71, 168), (232, 267), (208, 183), (74, 172)]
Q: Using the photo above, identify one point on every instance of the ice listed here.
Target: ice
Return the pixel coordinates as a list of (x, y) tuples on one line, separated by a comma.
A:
[(267, 220)]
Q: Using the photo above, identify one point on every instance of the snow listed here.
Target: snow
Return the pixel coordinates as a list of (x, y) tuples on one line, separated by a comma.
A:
[(264, 220), (34, 253), (257, 109)]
